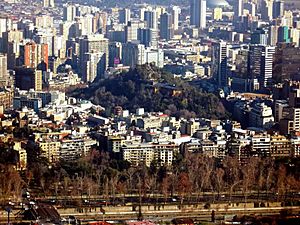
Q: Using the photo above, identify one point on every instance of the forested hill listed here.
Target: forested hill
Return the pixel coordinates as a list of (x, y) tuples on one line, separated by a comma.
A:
[(150, 88)]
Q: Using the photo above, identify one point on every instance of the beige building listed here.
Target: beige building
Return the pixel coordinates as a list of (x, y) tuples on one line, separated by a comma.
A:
[(148, 153), (280, 146), (22, 155), (49, 149)]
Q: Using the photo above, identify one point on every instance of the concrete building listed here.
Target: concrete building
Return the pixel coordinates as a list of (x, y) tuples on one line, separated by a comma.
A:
[(260, 66), (260, 145), (148, 37), (219, 63), (261, 116), (93, 66), (48, 3), (198, 13), (166, 31), (133, 54), (94, 44), (280, 146), (175, 12), (28, 78), (4, 75), (124, 16), (148, 153), (34, 56), (75, 148), (131, 30), (150, 17)]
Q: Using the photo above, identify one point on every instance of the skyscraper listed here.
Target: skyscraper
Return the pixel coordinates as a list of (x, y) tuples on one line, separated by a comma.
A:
[(124, 16), (94, 44), (175, 11), (93, 66), (198, 13), (278, 9), (238, 8), (260, 65), (267, 10), (166, 26), (259, 36), (151, 19), (219, 62), (284, 34), (48, 3), (69, 12), (34, 55), (148, 37), (3, 70)]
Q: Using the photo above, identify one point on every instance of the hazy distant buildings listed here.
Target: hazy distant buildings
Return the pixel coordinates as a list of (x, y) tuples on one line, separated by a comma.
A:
[(267, 10), (69, 12)]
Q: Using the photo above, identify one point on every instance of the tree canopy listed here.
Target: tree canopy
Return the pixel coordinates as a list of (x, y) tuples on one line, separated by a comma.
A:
[(155, 90)]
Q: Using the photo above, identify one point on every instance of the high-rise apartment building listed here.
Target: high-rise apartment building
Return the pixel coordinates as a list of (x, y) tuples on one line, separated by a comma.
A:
[(28, 78), (93, 66), (198, 13), (11, 36), (34, 55), (124, 16), (238, 8), (94, 44), (131, 30), (69, 12), (48, 3), (278, 9), (267, 10), (219, 62), (166, 27), (260, 66), (175, 11), (150, 19), (4, 75)]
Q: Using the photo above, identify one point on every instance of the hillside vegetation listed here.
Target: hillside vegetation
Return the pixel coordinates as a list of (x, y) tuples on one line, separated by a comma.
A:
[(155, 90)]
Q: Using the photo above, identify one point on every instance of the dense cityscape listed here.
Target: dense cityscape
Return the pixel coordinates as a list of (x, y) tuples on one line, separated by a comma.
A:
[(150, 112)]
